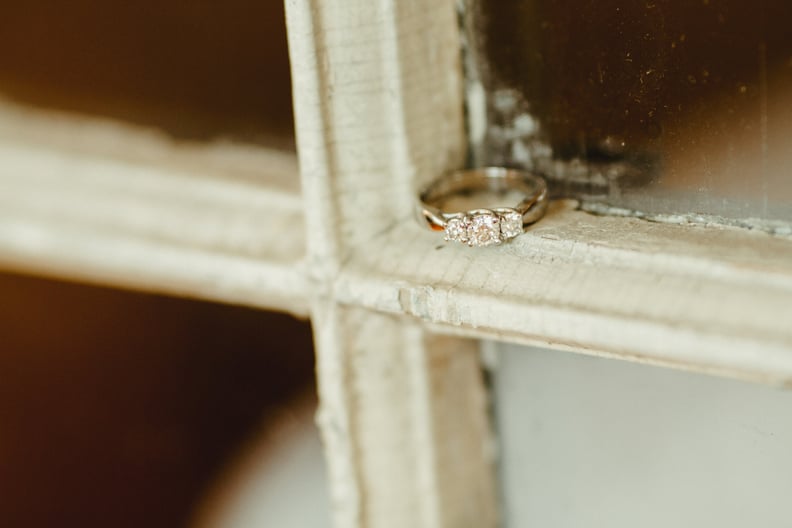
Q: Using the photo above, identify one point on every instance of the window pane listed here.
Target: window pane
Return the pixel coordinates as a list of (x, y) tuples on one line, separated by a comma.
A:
[(657, 106), (595, 442)]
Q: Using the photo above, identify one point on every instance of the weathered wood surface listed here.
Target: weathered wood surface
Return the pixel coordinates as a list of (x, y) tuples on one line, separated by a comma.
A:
[(113, 204), (109, 203), (710, 299), (404, 420), (378, 106)]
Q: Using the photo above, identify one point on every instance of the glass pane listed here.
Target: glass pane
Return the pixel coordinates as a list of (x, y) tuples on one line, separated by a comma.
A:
[(595, 442), (656, 106)]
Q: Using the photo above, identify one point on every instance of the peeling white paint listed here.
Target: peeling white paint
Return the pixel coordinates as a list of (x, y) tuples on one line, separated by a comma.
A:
[(773, 227)]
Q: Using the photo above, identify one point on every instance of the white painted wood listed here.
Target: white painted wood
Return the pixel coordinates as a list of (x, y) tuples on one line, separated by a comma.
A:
[(109, 203), (404, 422), (711, 299), (378, 107), (593, 442), (104, 202)]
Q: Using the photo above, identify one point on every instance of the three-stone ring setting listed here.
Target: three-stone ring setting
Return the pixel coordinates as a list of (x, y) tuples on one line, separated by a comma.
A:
[(483, 227)]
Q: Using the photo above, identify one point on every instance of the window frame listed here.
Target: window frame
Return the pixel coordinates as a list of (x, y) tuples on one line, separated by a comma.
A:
[(379, 103)]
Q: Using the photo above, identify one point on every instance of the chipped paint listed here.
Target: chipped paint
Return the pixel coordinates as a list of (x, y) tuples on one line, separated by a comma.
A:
[(772, 227)]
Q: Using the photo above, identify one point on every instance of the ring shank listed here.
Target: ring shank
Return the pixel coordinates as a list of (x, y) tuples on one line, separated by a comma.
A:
[(495, 179)]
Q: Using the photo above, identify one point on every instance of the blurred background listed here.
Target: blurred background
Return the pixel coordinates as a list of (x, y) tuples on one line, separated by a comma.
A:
[(198, 70), (657, 107), (128, 409)]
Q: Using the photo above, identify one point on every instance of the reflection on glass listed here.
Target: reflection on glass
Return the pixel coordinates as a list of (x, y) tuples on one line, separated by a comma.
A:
[(665, 107)]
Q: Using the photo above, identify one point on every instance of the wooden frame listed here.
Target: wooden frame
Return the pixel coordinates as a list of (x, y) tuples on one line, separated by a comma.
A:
[(99, 201), (378, 102), (379, 108)]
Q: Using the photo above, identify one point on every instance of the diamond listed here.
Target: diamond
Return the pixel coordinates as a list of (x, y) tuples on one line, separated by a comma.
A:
[(511, 223), (456, 229), (483, 228)]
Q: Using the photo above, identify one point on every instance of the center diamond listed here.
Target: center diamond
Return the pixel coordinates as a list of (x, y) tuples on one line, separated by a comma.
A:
[(483, 228)]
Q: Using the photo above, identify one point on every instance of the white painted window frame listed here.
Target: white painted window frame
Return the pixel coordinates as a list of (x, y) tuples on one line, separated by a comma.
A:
[(379, 111)]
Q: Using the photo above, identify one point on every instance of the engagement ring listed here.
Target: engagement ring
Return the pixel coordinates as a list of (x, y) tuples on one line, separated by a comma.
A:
[(483, 227)]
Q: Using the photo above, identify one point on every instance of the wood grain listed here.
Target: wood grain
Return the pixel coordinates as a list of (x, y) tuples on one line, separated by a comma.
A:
[(712, 299), (378, 105)]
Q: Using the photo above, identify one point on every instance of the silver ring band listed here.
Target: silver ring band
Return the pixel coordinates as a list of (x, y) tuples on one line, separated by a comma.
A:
[(483, 227)]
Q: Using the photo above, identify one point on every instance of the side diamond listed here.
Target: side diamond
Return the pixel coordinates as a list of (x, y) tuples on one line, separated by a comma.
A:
[(456, 229), (511, 223)]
